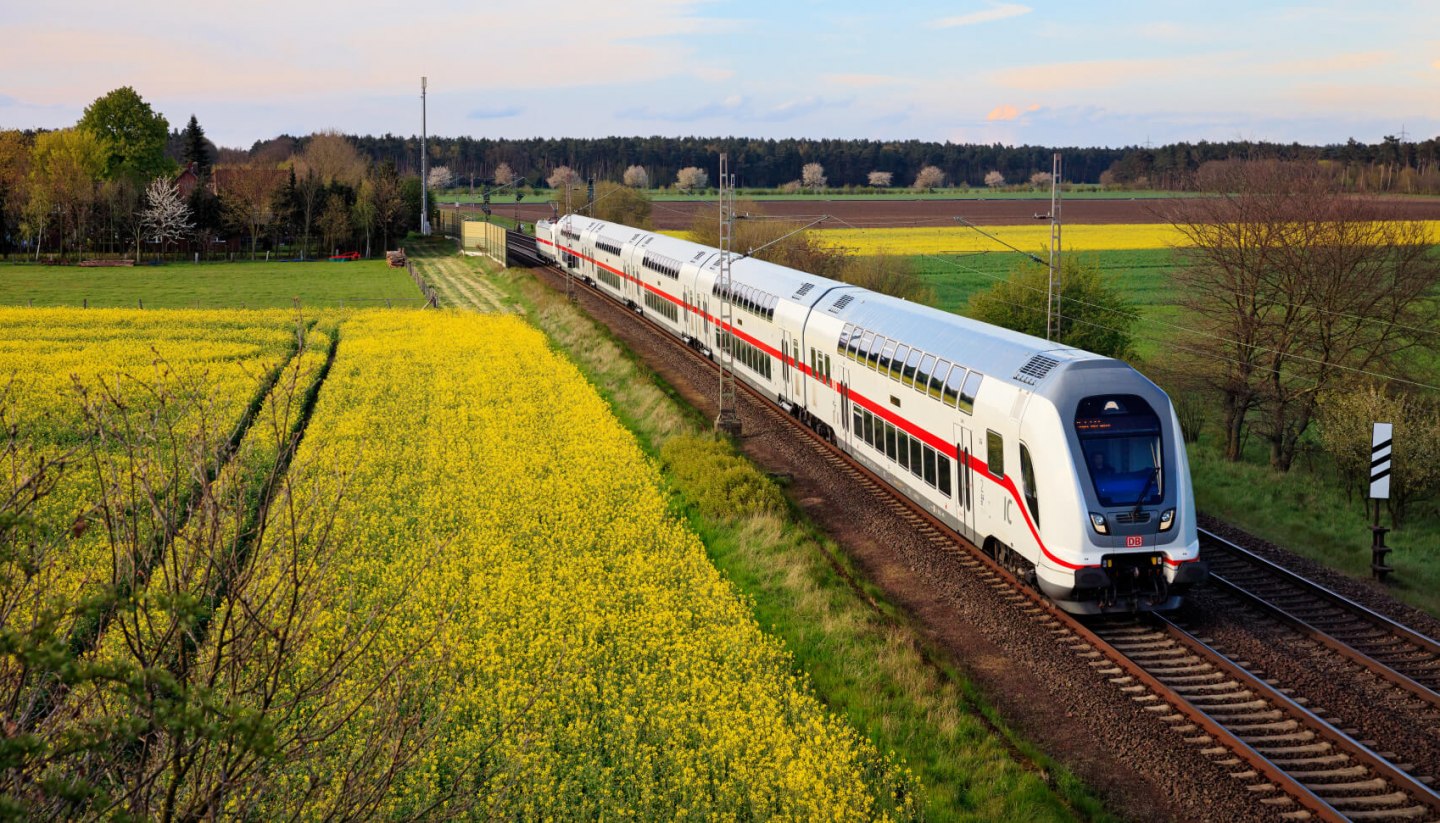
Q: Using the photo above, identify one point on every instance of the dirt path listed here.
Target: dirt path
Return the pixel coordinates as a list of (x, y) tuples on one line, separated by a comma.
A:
[(459, 282)]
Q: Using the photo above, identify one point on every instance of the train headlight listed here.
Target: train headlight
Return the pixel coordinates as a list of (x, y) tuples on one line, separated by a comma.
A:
[(1167, 519), (1098, 521)]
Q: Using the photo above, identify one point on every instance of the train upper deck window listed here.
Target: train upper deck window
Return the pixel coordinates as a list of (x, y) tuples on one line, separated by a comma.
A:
[(969, 390), (937, 378), (911, 362), (922, 375), (1121, 445), (885, 355), (872, 354), (952, 386), (902, 352)]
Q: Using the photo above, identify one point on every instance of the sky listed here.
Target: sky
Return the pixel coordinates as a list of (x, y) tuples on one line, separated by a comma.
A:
[(1056, 73)]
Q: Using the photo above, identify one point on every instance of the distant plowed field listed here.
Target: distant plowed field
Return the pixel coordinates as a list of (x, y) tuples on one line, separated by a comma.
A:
[(877, 213)]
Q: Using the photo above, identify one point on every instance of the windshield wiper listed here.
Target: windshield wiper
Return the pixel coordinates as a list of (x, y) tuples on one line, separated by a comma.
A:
[(1145, 489)]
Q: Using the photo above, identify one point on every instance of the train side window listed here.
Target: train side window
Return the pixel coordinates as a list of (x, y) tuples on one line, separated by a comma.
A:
[(852, 348), (967, 394), (937, 378), (929, 466), (904, 451), (889, 441), (1027, 484), (942, 473), (885, 355), (872, 356), (864, 348), (908, 376), (859, 421), (826, 359), (917, 456), (902, 353), (870, 428), (844, 338), (952, 386), (994, 453), (922, 374)]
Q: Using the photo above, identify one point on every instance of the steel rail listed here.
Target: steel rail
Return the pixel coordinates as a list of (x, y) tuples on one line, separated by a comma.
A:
[(1335, 600)]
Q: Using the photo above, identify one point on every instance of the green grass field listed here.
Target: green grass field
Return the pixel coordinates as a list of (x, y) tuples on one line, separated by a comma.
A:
[(209, 285)]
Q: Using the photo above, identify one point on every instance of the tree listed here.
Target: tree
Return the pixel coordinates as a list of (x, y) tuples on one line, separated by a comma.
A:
[(613, 202), (812, 176), (390, 215), (133, 134), (776, 241), (166, 215), (335, 221), (636, 177), (1093, 316), (880, 179), (562, 176), (691, 178), (504, 175), (309, 191), (197, 149), (440, 178), (248, 196), (1041, 180), (994, 179), (365, 210), (1292, 285), (1346, 415), (14, 166), (930, 177), (331, 158), (65, 166), (890, 274)]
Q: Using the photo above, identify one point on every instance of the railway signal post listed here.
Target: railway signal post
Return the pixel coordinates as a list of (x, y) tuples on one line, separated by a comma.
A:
[(1381, 441)]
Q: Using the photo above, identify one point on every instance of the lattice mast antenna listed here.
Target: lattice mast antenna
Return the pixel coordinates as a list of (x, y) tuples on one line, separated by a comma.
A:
[(1052, 294), (424, 183), (728, 418)]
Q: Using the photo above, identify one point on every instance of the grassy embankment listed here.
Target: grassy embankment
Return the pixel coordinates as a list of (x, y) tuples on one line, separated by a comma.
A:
[(863, 660), (359, 284)]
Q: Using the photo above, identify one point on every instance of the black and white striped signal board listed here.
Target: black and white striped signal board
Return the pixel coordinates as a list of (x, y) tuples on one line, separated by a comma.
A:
[(1380, 441)]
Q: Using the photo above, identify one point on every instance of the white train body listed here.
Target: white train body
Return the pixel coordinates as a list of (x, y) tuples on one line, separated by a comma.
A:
[(1047, 456)]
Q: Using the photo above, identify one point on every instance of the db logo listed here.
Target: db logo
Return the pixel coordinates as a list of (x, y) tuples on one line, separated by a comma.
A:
[(1134, 541)]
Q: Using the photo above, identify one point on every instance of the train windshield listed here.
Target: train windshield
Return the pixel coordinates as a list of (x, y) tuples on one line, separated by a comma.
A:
[(1120, 439)]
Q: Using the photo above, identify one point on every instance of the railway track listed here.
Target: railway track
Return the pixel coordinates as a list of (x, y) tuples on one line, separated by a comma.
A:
[(1291, 759), (1391, 651)]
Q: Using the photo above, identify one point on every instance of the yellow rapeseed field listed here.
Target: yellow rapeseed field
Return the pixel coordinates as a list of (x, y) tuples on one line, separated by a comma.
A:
[(566, 640), (194, 371), (1031, 237)]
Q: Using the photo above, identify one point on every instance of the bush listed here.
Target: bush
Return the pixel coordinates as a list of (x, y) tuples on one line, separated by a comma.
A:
[(721, 484)]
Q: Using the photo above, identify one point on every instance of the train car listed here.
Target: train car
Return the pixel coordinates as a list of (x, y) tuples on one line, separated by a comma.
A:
[(1064, 465)]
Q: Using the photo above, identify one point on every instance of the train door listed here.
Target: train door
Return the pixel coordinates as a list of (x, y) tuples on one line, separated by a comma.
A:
[(843, 423), (965, 479), (790, 369)]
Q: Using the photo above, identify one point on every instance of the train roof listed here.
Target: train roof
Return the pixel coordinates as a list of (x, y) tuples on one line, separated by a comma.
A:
[(992, 350)]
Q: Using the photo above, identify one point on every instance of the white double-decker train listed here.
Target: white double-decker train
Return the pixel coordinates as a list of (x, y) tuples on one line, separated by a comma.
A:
[(1058, 462)]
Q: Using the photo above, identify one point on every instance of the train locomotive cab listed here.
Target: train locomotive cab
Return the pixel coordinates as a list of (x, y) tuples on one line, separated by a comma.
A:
[(1140, 551)]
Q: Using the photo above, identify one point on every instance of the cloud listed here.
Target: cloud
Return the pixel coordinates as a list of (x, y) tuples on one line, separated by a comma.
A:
[(1092, 74), (997, 11), (1435, 65), (861, 81), (1339, 63), (495, 112), (1003, 113), (715, 108)]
